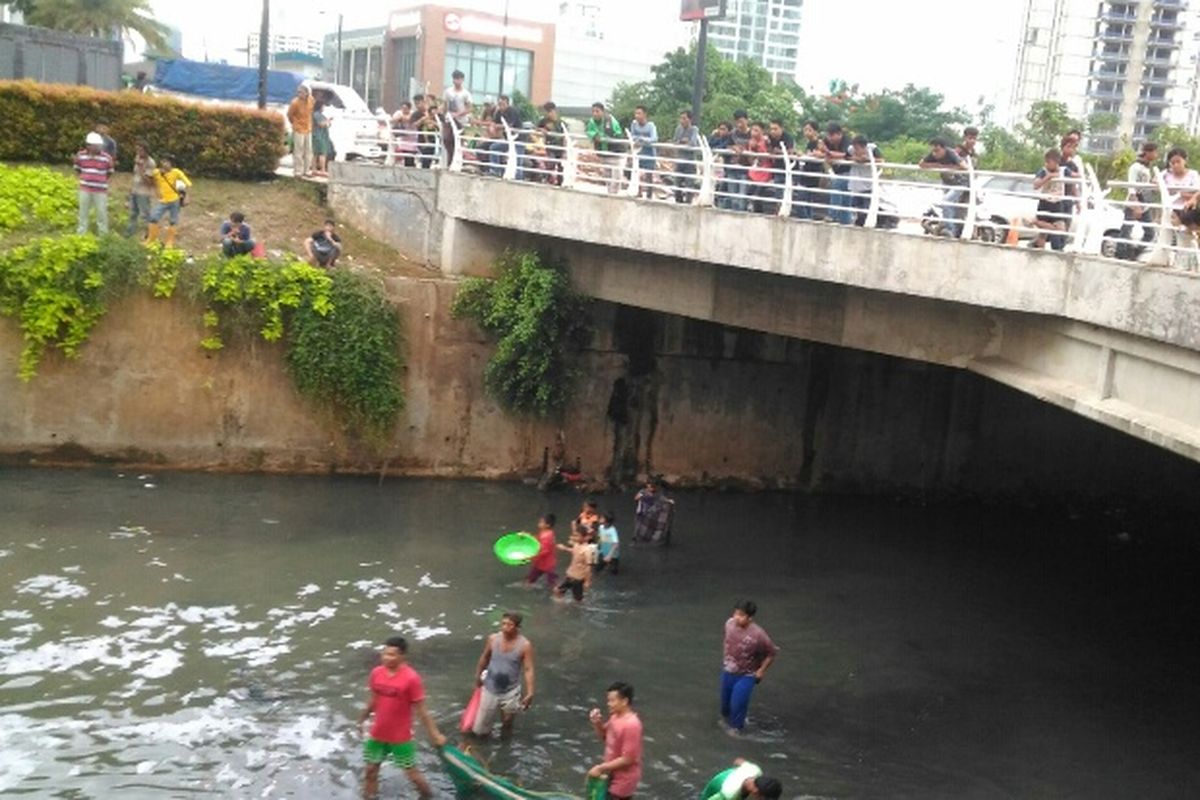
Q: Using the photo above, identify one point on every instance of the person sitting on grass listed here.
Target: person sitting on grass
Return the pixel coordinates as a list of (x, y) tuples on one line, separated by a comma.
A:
[(172, 186), (235, 236), (324, 247)]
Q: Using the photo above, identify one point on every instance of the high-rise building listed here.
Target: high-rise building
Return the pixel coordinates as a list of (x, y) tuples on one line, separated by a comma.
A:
[(1133, 59), (287, 43), (766, 32), (596, 48)]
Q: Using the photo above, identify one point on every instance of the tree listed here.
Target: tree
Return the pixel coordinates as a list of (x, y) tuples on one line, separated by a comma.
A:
[(729, 86), (1046, 123), (100, 18), (914, 112)]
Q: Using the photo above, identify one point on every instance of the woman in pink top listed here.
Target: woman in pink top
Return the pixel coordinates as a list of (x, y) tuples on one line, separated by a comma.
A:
[(1182, 183), (622, 737)]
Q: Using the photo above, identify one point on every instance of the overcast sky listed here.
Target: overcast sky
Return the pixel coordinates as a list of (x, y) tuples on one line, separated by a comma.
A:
[(966, 51)]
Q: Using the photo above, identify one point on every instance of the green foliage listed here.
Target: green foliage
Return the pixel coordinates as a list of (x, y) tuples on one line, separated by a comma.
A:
[(729, 85), (522, 103), (349, 357), (1168, 136), (48, 122), (96, 17), (53, 287), (539, 324), (264, 289), (1046, 123), (36, 194), (913, 112)]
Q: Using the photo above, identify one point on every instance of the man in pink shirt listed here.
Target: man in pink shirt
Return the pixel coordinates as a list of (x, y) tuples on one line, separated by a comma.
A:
[(396, 694), (749, 653), (622, 737)]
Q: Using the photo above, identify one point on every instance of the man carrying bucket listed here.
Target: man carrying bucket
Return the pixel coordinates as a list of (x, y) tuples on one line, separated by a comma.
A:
[(506, 657)]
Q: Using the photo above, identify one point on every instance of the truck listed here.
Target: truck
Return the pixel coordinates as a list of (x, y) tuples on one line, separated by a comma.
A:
[(356, 131)]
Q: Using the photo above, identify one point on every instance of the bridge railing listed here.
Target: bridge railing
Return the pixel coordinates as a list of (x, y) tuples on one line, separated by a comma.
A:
[(1076, 214)]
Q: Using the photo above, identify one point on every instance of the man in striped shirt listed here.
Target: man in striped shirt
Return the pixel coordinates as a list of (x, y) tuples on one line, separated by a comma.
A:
[(94, 167)]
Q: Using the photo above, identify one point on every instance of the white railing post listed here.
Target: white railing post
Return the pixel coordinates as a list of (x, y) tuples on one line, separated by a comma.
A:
[(456, 161), (873, 204), (704, 197), (389, 160), (570, 162), (1159, 255), (785, 202), (634, 173), (968, 228), (1090, 235), (510, 163)]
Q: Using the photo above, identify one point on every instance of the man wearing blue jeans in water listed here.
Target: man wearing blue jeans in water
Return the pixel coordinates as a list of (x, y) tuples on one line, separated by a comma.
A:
[(749, 653)]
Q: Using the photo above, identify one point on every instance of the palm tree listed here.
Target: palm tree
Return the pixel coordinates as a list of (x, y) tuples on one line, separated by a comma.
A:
[(96, 18)]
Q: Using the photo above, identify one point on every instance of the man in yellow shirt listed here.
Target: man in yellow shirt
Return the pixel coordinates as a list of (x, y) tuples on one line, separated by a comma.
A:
[(171, 182), (300, 115)]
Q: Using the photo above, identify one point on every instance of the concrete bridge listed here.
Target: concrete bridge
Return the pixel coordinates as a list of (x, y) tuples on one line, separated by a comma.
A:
[(1113, 341)]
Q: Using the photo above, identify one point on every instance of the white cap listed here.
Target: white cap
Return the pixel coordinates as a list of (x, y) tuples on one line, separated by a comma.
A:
[(94, 138)]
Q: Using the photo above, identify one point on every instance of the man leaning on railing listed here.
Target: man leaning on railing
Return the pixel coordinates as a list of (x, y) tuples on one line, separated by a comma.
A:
[(603, 130), (952, 167)]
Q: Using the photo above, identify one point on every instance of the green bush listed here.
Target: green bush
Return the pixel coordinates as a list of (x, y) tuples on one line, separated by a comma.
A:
[(349, 358), (38, 195), (48, 122), (539, 324)]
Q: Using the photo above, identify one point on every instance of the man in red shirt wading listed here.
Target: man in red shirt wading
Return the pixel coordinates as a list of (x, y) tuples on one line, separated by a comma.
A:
[(622, 737), (749, 653), (396, 694)]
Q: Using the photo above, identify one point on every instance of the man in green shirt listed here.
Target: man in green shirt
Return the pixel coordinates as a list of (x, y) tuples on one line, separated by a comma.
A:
[(742, 781), (604, 130)]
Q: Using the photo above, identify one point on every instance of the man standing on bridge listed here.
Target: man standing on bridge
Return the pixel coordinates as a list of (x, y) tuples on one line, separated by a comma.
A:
[(749, 653)]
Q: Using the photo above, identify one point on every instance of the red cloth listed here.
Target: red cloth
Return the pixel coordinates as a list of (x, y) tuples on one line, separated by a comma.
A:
[(623, 737), (547, 559), (395, 693)]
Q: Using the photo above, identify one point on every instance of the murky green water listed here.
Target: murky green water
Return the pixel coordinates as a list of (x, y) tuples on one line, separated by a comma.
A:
[(188, 635)]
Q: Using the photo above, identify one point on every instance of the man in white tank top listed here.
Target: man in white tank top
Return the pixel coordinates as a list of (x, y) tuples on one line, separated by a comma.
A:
[(507, 657)]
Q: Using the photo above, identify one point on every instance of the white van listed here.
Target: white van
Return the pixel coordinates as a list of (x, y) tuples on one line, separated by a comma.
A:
[(356, 131)]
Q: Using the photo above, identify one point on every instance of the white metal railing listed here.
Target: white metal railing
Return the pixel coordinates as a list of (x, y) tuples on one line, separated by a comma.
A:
[(1132, 221)]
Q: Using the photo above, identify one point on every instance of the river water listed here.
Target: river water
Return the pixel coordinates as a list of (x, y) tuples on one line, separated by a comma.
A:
[(176, 635)]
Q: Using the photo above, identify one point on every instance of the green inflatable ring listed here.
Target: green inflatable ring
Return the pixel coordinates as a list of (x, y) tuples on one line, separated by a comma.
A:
[(515, 549)]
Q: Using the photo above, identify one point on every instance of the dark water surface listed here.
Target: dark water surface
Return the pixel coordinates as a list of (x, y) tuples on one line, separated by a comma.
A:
[(179, 635)]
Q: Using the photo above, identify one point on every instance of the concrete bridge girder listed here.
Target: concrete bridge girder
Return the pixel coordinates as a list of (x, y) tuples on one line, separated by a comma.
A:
[(1114, 342)]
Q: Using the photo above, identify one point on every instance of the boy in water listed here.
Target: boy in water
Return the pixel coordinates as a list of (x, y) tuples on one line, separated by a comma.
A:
[(546, 560), (610, 544), (396, 695), (579, 573)]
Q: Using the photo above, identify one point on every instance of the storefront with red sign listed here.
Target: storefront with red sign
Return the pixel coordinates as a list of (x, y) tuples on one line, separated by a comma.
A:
[(425, 44)]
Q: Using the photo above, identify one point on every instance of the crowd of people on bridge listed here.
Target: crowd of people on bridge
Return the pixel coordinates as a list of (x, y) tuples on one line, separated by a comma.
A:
[(831, 171)]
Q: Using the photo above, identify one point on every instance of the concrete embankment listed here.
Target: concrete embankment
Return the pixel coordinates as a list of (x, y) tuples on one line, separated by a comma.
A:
[(698, 402)]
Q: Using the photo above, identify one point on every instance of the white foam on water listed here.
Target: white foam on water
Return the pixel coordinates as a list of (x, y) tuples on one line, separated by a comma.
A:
[(378, 587), (179, 577), (360, 644), (28, 629), (310, 737), (146, 767), (73, 570), (270, 521), (389, 609), (307, 589), (308, 618), (112, 622), (51, 587), (156, 562), (5, 553), (128, 532), (256, 651), (149, 486), (13, 613), (429, 583), (160, 664), (23, 682)]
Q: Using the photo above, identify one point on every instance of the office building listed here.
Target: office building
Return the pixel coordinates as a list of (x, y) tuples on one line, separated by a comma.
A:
[(596, 48), (286, 43), (422, 45), (1133, 59), (766, 32)]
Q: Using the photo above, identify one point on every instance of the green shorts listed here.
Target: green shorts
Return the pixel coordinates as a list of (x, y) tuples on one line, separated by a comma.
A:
[(404, 754)]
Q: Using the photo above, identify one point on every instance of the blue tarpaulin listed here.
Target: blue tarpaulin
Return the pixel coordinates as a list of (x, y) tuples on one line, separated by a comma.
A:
[(224, 81)]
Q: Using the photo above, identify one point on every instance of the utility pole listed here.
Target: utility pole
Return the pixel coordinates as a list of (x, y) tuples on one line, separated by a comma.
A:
[(503, 50), (338, 77), (698, 82), (264, 33)]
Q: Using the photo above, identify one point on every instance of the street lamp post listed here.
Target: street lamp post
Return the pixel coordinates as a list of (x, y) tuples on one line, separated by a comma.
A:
[(264, 33), (503, 49)]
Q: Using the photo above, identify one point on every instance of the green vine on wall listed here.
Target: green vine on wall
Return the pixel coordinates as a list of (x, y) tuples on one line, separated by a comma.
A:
[(341, 334), (540, 325)]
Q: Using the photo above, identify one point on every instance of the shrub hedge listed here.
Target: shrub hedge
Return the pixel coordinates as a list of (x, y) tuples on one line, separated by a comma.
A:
[(48, 122)]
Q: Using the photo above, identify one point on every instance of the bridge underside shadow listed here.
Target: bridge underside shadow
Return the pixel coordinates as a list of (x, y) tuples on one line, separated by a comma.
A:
[(1149, 390)]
